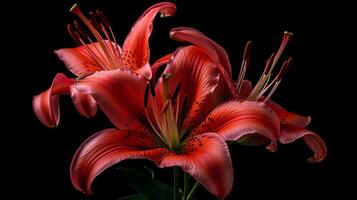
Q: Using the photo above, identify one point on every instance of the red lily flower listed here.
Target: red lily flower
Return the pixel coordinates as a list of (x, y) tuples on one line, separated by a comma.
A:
[(257, 107), (172, 124), (103, 55)]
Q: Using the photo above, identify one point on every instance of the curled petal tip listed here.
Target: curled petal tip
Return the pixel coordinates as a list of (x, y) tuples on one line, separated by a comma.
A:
[(167, 9)]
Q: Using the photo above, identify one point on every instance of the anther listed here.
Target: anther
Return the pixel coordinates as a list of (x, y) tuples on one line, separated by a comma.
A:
[(94, 20), (103, 19), (80, 29), (284, 69), (74, 34), (176, 92)]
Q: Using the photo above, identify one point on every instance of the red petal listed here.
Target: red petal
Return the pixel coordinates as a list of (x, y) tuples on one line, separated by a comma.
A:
[(78, 61), (233, 120), (207, 159), (313, 141), (216, 53), (119, 93), (289, 118), (161, 61), (106, 148), (46, 104), (214, 50), (199, 77), (136, 46), (84, 103)]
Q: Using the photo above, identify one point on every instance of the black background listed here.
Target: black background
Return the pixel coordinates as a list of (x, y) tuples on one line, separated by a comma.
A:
[(317, 85)]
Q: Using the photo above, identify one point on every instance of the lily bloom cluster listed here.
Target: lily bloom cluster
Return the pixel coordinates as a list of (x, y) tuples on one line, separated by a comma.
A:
[(181, 117)]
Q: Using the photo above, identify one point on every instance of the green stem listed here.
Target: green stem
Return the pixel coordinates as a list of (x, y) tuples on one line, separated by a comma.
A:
[(186, 185), (193, 191), (176, 183)]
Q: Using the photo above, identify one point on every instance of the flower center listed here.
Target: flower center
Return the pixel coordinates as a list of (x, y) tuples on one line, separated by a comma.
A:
[(106, 53), (265, 84), (164, 120)]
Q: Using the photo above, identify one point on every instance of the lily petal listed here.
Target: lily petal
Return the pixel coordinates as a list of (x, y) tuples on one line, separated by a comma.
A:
[(214, 50), (136, 46), (200, 83), (46, 104), (79, 61), (287, 117), (233, 120), (84, 103), (109, 147), (159, 63), (291, 133), (216, 53), (205, 157), (119, 93)]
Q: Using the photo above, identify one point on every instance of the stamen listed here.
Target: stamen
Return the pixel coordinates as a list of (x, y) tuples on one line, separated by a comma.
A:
[(172, 127), (153, 127), (268, 64), (276, 80), (165, 81), (272, 91), (284, 69), (75, 10), (115, 48), (286, 38), (94, 20), (74, 34), (77, 38), (81, 29), (244, 66), (263, 80), (176, 92), (164, 108), (103, 19), (118, 49)]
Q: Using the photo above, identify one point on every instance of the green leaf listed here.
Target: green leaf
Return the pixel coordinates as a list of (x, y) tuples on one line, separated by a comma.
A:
[(134, 197), (145, 185)]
